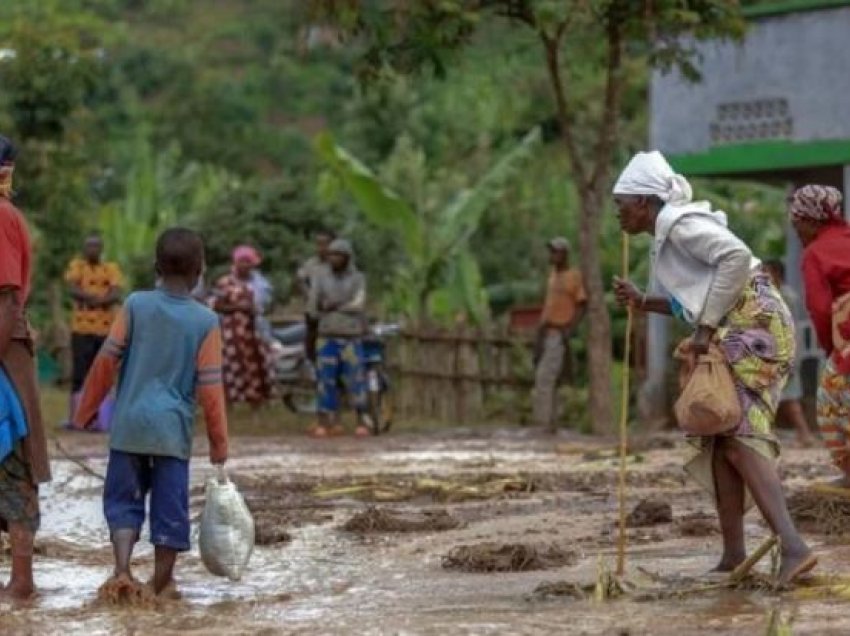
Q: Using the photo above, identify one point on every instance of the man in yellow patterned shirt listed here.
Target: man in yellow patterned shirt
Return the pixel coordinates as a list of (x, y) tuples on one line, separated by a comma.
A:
[(95, 288)]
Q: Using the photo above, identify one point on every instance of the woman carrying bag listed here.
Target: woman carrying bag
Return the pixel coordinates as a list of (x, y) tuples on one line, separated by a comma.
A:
[(742, 344)]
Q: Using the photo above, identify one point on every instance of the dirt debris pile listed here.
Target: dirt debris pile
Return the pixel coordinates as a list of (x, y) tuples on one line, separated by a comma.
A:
[(269, 529), (698, 524), (375, 520), (459, 489), (560, 589), (649, 512), (507, 557), (822, 510)]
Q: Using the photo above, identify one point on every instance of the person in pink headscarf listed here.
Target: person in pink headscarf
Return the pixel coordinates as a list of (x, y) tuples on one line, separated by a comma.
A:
[(247, 367)]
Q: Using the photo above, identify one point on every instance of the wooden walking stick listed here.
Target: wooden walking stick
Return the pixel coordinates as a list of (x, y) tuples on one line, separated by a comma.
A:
[(624, 421)]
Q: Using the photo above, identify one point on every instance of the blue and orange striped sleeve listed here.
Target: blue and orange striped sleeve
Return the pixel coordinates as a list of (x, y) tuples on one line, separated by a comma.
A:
[(210, 391), (103, 372)]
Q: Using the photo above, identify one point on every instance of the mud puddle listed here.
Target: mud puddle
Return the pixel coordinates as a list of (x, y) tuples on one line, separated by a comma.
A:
[(313, 577)]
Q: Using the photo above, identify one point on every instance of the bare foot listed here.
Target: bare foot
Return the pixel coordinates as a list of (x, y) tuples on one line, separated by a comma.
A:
[(17, 592), (728, 564), (795, 564), (169, 592), (123, 589)]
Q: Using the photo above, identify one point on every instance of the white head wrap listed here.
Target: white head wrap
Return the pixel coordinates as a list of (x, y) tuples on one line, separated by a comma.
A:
[(648, 174)]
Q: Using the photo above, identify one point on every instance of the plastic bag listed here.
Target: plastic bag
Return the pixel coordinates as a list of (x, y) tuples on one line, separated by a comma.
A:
[(227, 529), (709, 403)]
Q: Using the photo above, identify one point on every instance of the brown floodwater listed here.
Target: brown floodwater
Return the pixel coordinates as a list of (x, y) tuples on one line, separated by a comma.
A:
[(327, 581)]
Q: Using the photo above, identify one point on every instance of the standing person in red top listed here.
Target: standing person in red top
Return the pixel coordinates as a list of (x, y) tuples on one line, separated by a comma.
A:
[(23, 460), (817, 216)]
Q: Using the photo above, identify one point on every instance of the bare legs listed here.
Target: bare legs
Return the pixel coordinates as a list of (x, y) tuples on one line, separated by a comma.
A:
[(21, 586), (730, 510), (762, 480), (792, 411), (163, 574), (123, 542)]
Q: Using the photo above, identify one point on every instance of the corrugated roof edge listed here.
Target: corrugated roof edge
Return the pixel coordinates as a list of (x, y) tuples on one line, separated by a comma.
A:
[(791, 6)]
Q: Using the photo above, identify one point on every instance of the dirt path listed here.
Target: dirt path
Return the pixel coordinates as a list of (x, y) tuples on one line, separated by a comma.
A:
[(483, 521)]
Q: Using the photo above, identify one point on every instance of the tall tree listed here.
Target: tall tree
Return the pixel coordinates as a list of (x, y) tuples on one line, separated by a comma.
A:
[(50, 63), (410, 37)]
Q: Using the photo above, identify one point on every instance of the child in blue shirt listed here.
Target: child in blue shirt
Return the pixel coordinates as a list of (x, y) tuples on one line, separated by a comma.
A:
[(164, 352)]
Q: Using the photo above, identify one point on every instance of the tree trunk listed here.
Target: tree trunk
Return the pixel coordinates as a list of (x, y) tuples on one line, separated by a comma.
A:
[(57, 340), (599, 338), (591, 191)]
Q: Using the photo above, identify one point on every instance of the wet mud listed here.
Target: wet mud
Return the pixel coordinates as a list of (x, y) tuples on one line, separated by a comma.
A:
[(383, 520), (358, 533), (698, 525), (511, 557), (127, 592), (649, 513)]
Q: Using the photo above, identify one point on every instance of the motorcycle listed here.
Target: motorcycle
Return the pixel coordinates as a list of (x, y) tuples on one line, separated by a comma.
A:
[(296, 378)]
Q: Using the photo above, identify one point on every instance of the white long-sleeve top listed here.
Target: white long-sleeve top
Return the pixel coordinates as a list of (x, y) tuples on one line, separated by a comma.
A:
[(698, 261)]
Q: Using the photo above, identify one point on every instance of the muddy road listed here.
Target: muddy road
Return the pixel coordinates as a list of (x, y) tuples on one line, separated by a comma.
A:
[(495, 532)]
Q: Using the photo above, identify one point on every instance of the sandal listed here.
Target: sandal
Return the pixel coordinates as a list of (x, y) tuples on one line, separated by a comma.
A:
[(319, 432), (805, 566)]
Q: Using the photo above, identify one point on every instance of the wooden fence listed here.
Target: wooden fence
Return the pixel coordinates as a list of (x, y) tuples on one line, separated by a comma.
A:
[(459, 375), (469, 375)]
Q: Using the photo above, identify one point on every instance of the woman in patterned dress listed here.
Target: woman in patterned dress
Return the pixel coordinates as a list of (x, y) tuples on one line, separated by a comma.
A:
[(817, 215), (710, 280), (247, 362)]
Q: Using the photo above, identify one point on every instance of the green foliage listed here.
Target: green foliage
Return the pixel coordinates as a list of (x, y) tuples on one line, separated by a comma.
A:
[(134, 115), (48, 74), (50, 67), (161, 188), (440, 274), (757, 213)]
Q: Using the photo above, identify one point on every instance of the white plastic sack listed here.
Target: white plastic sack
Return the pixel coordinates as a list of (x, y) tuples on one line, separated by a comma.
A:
[(227, 529)]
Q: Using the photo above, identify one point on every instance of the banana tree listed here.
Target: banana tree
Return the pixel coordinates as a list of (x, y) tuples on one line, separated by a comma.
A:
[(161, 189), (440, 277)]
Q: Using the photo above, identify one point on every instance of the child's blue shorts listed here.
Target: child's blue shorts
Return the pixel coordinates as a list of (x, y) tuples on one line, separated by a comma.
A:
[(129, 479)]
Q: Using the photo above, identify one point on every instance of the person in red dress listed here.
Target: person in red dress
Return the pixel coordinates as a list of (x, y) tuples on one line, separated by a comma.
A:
[(247, 361)]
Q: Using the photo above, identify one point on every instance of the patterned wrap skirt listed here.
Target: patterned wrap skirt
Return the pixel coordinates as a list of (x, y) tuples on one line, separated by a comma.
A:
[(757, 338)]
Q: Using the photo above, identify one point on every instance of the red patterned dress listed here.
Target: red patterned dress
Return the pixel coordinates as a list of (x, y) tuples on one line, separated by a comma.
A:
[(247, 369)]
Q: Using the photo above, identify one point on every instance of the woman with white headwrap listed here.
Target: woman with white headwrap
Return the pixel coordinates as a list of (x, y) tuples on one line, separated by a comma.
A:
[(707, 277)]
